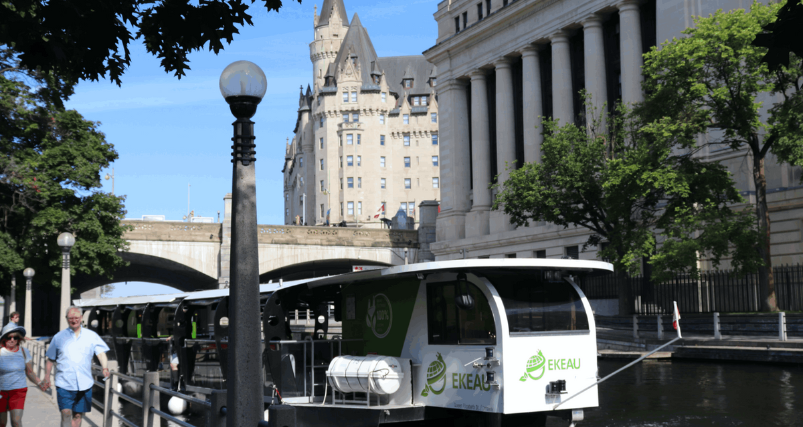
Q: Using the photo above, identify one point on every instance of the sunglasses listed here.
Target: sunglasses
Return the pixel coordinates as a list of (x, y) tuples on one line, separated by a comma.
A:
[(15, 338)]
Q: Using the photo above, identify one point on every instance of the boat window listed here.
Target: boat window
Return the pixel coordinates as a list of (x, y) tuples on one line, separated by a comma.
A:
[(448, 324), (534, 305)]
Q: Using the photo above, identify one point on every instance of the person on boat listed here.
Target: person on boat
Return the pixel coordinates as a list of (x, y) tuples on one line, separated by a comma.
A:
[(15, 365), (71, 350), (14, 319)]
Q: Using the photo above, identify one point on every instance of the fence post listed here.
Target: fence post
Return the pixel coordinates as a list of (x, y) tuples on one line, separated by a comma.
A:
[(660, 327), (717, 333), (111, 403), (216, 417), (635, 327), (150, 398), (782, 326)]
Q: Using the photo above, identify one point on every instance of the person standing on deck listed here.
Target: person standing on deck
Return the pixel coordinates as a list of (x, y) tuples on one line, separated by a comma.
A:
[(14, 321), (71, 350)]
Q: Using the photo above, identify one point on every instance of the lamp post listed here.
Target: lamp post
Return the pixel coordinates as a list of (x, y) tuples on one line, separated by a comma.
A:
[(243, 84), (28, 273), (66, 241), (108, 177)]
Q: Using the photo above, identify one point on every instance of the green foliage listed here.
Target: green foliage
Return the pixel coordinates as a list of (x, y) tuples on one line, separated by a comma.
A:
[(49, 175), (82, 39), (638, 187)]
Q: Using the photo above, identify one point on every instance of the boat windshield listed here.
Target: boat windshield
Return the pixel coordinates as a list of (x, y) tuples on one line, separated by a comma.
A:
[(533, 305)]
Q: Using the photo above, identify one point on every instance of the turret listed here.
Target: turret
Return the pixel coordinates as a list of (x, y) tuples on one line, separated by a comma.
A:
[(330, 29)]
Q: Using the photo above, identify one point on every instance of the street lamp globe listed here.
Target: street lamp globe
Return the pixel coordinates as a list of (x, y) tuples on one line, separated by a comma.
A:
[(66, 241), (243, 84), (28, 273)]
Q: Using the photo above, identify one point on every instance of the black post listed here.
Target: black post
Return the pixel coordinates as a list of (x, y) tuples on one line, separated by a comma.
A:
[(244, 379)]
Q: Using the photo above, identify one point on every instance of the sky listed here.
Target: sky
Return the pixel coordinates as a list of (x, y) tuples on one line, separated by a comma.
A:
[(174, 135)]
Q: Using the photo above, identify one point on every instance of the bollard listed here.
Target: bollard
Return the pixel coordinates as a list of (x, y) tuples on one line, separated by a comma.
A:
[(111, 403), (635, 327), (717, 333), (660, 327), (150, 399), (217, 417), (782, 326)]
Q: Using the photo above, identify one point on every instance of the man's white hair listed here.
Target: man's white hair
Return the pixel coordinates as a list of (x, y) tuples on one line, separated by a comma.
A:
[(74, 308)]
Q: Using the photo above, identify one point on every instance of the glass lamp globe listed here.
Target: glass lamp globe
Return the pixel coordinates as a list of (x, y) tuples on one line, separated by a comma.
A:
[(28, 273), (66, 241), (243, 84)]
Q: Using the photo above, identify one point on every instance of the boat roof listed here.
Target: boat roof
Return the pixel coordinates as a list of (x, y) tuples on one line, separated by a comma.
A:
[(136, 300)]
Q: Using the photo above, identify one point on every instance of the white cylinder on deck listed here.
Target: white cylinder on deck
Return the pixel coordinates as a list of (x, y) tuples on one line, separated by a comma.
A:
[(362, 374)]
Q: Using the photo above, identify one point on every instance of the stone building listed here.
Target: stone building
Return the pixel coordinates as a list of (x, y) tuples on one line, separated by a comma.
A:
[(502, 64), (366, 136)]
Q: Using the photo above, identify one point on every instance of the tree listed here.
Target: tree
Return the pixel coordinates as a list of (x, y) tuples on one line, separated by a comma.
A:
[(82, 39), (716, 75), (50, 165), (641, 191)]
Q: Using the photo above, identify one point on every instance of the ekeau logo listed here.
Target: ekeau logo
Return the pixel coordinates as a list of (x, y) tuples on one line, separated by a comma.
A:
[(536, 366), (380, 315), (436, 377)]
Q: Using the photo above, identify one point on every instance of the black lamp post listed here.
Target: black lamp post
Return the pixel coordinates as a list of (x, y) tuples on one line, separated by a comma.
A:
[(243, 84)]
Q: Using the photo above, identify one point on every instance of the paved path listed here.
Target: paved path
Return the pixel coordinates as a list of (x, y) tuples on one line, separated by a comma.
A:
[(41, 411)]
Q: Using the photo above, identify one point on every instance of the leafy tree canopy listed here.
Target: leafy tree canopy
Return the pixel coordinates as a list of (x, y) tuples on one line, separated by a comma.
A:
[(641, 191), (82, 39), (50, 163)]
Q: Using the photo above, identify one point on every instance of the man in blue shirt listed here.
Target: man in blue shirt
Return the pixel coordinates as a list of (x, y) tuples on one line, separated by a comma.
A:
[(71, 350)]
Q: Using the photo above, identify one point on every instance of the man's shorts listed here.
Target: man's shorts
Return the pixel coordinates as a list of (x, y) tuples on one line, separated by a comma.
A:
[(13, 399), (76, 401)]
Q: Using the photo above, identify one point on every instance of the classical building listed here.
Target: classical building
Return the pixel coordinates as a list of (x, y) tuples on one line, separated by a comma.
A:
[(503, 64), (367, 130)]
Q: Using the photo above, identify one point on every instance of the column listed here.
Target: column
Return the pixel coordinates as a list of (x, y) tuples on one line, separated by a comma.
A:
[(562, 100), (631, 53), (596, 81), (477, 221), (531, 86), (505, 136), (28, 321), (454, 154)]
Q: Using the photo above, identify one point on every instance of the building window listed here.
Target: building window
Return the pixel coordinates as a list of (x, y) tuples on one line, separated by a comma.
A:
[(381, 119), (435, 139), (572, 252), (359, 182), (359, 160), (407, 162), (341, 162), (340, 140), (465, 20), (382, 183), (321, 122), (341, 208), (408, 83), (286, 197), (321, 143), (406, 119), (301, 162), (345, 118), (322, 187), (350, 182), (487, 7), (323, 212), (457, 24), (424, 100), (287, 212), (406, 140), (381, 139), (382, 162), (319, 99), (504, 3), (355, 117), (540, 254), (479, 11), (433, 82), (384, 96), (436, 182), (416, 101), (359, 208), (353, 96), (345, 97), (434, 160), (349, 139), (411, 209), (359, 139), (434, 117), (351, 208), (341, 183), (403, 207), (349, 160), (321, 164), (408, 183)]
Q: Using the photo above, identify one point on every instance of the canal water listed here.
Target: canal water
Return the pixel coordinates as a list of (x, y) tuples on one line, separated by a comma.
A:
[(678, 394)]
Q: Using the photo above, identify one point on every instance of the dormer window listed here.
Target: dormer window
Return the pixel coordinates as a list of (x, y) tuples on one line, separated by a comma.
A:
[(416, 101), (408, 83), (376, 80), (354, 60), (433, 81)]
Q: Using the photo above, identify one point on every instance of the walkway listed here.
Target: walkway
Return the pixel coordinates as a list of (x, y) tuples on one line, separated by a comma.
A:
[(42, 411)]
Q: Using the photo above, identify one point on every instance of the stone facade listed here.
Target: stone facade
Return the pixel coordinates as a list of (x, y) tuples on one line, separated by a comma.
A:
[(502, 64), (366, 133)]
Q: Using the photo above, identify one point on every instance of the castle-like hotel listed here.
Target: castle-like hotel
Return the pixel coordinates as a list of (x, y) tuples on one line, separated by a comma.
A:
[(366, 138)]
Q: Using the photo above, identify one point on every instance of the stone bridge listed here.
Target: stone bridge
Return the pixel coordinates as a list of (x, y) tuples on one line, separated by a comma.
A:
[(193, 256)]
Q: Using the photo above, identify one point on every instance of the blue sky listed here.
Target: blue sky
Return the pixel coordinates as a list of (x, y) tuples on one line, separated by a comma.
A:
[(170, 133)]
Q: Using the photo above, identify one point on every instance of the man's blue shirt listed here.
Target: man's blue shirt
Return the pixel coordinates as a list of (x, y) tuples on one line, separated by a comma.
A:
[(73, 358)]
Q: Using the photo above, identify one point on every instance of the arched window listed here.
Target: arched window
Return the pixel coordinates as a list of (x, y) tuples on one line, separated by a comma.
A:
[(449, 324)]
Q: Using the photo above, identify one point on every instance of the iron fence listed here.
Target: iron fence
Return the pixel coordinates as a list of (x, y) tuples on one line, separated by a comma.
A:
[(713, 291)]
